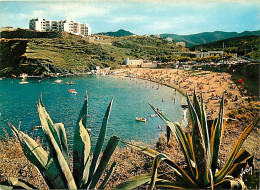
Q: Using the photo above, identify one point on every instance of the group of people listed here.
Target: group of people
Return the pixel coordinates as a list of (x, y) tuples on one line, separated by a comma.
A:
[(213, 85)]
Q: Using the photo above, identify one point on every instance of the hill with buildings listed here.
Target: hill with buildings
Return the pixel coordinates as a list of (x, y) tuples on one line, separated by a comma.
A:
[(37, 53), (207, 37), (248, 46), (118, 33)]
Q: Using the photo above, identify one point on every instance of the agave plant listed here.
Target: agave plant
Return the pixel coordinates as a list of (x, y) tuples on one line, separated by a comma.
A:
[(55, 166), (201, 151)]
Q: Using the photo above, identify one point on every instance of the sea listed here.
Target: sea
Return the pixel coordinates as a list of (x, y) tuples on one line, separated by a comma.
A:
[(131, 97)]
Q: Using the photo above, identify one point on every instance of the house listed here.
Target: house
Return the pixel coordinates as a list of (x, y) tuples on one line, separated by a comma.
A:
[(182, 44), (169, 39), (7, 28), (140, 63), (209, 53)]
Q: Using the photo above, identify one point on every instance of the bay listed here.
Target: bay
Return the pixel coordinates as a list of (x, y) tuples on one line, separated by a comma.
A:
[(131, 97)]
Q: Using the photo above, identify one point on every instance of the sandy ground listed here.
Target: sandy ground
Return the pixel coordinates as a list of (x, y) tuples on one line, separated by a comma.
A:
[(210, 83)]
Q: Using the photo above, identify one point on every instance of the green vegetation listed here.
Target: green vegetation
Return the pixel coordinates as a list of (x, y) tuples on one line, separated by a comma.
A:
[(214, 59), (149, 48), (118, 33), (207, 37), (47, 53), (201, 150), (244, 46), (55, 166)]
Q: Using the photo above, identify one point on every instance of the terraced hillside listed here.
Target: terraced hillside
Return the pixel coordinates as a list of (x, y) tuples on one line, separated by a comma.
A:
[(66, 53)]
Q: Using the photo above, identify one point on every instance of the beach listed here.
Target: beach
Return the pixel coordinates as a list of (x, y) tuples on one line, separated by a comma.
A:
[(212, 84)]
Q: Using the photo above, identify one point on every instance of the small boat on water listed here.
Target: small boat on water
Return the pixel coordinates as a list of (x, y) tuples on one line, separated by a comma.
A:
[(143, 119), (153, 115), (35, 128), (184, 106), (23, 82), (70, 83), (72, 91), (58, 81)]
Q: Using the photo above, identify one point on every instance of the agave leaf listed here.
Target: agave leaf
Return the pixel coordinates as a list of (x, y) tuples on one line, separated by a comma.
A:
[(199, 148), (166, 184), (143, 149), (40, 158), (204, 126), (222, 173), (3, 186), (109, 174), (85, 176), (235, 183), (21, 184), (15, 183), (192, 112), (134, 182), (81, 156), (58, 132), (100, 142), (55, 150), (180, 136), (160, 114), (217, 137), (60, 129), (184, 143), (155, 166), (81, 147), (110, 148), (196, 104), (179, 171)]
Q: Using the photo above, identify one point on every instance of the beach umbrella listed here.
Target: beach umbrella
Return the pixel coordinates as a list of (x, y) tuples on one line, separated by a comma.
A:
[(240, 80)]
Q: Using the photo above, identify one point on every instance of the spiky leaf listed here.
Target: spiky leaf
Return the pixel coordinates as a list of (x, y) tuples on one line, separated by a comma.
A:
[(40, 158), (99, 143), (222, 173), (81, 147), (55, 150), (110, 148)]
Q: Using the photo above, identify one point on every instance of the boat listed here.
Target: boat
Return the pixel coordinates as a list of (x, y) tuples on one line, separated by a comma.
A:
[(70, 83), (72, 91), (143, 119), (58, 81), (184, 106), (153, 115), (23, 82)]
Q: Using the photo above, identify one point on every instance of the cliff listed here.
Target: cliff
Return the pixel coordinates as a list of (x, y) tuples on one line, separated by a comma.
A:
[(37, 53)]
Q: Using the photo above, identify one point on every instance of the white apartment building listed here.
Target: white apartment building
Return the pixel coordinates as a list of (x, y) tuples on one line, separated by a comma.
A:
[(209, 53), (70, 26), (140, 63)]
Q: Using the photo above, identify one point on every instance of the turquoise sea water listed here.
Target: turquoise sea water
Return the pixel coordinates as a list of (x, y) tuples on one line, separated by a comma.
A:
[(18, 103)]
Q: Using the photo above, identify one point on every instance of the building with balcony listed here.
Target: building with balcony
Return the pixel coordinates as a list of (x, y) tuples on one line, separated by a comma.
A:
[(70, 26)]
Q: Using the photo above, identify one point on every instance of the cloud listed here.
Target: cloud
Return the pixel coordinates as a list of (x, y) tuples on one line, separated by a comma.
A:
[(74, 10), (127, 19)]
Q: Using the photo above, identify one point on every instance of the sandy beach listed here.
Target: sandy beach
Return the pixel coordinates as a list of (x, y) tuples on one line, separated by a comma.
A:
[(212, 84)]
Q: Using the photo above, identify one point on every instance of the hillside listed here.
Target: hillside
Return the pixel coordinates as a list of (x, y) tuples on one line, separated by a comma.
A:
[(207, 37), (244, 46), (66, 53), (118, 33)]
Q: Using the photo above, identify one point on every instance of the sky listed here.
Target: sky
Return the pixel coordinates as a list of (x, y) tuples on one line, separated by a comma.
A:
[(140, 16)]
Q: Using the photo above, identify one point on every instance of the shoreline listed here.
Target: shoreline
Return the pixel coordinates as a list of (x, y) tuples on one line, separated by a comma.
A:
[(212, 84)]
